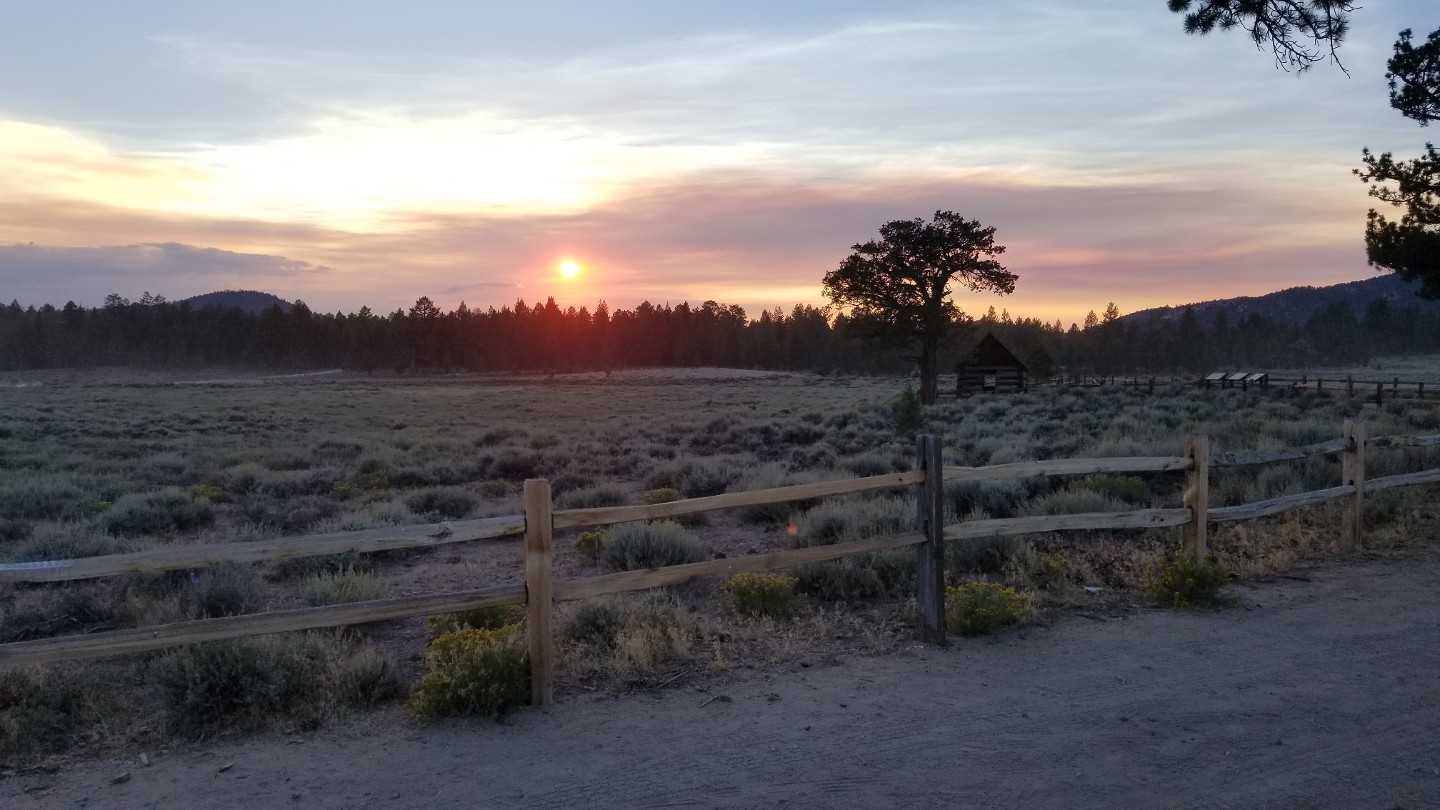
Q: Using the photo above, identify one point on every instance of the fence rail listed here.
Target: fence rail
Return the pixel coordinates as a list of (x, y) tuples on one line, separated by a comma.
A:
[(540, 592)]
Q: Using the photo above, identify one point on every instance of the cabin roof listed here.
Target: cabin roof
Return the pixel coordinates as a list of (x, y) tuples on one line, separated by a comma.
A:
[(990, 353)]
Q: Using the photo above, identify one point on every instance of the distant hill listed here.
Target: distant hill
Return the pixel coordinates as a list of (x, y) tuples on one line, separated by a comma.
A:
[(250, 301), (1297, 304)]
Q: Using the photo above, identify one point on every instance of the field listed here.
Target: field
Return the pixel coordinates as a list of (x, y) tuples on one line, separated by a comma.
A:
[(93, 464)]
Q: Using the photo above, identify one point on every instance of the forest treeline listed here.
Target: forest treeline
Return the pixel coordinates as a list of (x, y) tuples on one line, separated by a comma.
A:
[(155, 333)]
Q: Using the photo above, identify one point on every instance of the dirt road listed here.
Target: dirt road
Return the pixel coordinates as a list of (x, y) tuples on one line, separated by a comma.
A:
[(1323, 693)]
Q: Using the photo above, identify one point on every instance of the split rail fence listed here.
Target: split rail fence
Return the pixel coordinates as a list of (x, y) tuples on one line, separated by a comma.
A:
[(540, 520)]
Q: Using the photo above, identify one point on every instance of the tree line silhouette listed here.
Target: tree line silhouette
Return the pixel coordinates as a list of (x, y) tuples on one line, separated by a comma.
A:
[(544, 337)]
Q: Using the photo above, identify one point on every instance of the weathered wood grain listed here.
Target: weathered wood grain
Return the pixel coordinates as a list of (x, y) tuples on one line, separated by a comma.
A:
[(600, 516), (1275, 506), (1003, 527), (539, 607), (1403, 441), (282, 548), (143, 639), (676, 574), (1242, 458), (1069, 466), (1403, 480)]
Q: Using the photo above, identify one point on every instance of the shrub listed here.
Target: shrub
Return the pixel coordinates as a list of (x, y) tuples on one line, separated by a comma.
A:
[(661, 495), (485, 618), (907, 412), (448, 502), (762, 594), (1185, 581), (865, 576), (474, 671), (41, 711), (227, 589), (698, 479), (306, 567), (596, 622), (1070, 502), (634, 546), (366, 678), (977, 608), (591, 544), (982, 554), (339, 587), (248, 684), (494, 488), (656, 629), (43, 498), (166, 511), (592, 497), (208, 492)]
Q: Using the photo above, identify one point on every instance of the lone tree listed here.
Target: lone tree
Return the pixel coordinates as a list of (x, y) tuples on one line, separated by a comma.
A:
[(898, 287), (1303, 32)]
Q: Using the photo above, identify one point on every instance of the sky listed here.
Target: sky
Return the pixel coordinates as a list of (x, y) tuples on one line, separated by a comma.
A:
[(368, 153)]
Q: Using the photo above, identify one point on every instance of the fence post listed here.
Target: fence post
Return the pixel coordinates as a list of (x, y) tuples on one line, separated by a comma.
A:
[(1352, 470), (539, 608), (1349, 386), (1197, 495), (930, 519)]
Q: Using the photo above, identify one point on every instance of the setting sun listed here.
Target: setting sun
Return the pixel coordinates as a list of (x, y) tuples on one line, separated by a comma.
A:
[(569, 269)]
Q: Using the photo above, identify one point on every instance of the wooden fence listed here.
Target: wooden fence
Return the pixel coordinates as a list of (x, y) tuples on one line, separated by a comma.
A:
[(539, 522)]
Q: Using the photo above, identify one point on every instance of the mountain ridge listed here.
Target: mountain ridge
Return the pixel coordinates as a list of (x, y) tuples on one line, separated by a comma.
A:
[(1297, 304)]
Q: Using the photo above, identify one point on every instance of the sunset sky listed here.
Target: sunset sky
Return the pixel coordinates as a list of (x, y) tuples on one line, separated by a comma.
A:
[(368, 153)]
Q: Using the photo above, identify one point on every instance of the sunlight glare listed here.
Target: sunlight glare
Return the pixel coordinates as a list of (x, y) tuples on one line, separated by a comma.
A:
[(569, 269)]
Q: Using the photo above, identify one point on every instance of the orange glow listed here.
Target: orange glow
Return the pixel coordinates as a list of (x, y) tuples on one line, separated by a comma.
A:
[(569, 269)]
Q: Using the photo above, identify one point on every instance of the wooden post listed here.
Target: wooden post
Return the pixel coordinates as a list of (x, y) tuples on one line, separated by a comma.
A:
[(1349, 386), (930, 561), (1379, 393), (539, 608), (1197, 496), (1420, 390), (1319, 384), (1352, 472), (1395, 386)]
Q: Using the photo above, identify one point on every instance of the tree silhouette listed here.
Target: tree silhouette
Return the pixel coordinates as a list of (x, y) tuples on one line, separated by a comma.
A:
[(1410, 246), (898, 287)]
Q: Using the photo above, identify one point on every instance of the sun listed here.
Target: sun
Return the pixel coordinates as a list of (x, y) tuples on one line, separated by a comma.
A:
[(569, 269)]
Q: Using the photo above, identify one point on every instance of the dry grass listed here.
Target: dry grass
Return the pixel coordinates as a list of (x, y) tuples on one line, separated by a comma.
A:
[(89, 463)]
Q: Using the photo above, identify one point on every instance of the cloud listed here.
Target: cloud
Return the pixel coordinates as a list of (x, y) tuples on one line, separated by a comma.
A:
[(87, 274)]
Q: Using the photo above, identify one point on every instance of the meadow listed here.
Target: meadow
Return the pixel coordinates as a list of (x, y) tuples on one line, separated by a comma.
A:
[(95, 464)]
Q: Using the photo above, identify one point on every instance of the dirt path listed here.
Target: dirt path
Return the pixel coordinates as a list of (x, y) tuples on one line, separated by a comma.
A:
[(1311, 694)]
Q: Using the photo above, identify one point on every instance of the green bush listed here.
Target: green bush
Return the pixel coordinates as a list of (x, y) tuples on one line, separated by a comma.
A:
[(1185, 581), (634, 546), (474, 671), (762, 594), (661, 495), (485, 618), (164, 512), (977, 608), (907, 412), (591, 544)]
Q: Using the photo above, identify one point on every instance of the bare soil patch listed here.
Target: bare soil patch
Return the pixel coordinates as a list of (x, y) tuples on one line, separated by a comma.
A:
[(1316, 690)]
